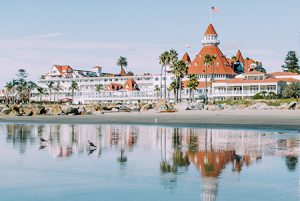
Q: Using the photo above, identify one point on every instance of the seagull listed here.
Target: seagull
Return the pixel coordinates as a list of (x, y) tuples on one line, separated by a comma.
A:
[(156, 120), (43, 140), (91, 144)]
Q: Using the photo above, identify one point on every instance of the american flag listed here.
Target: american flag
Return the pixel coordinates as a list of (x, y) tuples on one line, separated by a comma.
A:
[(214, 9)]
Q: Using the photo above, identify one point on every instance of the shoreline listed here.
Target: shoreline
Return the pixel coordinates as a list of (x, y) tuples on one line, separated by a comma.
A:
[(251, 119)]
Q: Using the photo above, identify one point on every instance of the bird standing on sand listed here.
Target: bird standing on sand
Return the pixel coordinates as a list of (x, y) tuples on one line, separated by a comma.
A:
[(156, 120), (43, 140)]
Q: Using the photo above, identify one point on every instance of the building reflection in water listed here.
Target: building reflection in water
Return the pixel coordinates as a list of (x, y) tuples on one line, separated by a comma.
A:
[(208, 150)]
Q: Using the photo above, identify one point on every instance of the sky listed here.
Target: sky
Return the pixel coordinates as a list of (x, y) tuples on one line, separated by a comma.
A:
[(37, 34)]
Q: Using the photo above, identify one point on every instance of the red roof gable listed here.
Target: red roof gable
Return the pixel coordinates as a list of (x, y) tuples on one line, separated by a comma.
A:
[(122, 72), (130, 85)]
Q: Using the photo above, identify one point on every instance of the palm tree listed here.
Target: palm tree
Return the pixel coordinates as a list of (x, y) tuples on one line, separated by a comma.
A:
[(172, 87), (57, 88), (179, 70), (122, 62), (9, 87), (99, 88), (40, 92), (74, 87), (192, 85), (164, 60), (208, 60), (50, 86), (173, 59), (157, 90), (30, 87)]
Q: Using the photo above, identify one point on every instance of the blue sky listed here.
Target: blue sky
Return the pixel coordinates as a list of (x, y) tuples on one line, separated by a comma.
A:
[(83, 33)]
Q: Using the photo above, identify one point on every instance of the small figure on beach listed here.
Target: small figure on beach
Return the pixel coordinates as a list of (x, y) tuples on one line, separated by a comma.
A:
[(42, 140)]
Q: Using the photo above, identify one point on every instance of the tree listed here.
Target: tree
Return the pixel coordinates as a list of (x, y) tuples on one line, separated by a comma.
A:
[(157, 90), (50, 86), (164, 61), (9, 89), (291, 63), (130, 73), (22, 74), (99, 88), (57, 88), (208, 60), (192, 85), (172, 87), (30, 87), (74, 87), (167, 59), (179, 70), (41, 91), (122, 62), (292, 90)]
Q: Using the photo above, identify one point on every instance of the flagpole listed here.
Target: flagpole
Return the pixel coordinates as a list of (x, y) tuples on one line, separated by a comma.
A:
[(210, 16)]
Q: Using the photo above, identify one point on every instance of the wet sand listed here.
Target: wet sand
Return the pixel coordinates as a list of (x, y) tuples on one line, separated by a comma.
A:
[(254, 119)]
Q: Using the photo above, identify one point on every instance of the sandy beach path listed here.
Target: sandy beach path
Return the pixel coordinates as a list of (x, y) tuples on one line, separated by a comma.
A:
[(260, 119)]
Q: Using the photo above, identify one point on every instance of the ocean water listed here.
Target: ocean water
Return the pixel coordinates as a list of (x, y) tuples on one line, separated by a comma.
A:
[(143, 163)]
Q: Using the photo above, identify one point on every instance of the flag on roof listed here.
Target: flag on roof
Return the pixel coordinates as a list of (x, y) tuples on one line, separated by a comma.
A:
[(214, 9)]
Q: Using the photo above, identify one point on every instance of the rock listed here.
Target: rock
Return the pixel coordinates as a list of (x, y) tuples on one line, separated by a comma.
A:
[(97, 113), (134, 108), (72, 111), (115, 110), (55, 110), (147, 107), (27, 111), (199, 106), (15, 111), (82, 111), (6, 110), (292, 105), (221, 107), (39, 110), (123, 108)]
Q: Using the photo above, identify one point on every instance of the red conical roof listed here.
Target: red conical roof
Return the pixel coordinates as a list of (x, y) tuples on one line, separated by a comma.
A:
[(186, 58), (122, 72), (239, 57), (210, 30)]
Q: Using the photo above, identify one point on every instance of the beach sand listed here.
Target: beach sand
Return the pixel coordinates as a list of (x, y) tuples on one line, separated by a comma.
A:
[(254, 119)]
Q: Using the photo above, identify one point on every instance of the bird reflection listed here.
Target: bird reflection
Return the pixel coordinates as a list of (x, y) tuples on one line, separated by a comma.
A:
[(91, 151), (42, 147)]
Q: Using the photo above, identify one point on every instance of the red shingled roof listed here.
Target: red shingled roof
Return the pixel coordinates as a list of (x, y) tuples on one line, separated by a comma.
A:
[(284, 74), (122, 72), (221, 64), (239, 57), (186, 58), (201, 84), (130, 85), (239, 80), (210, 30), (62, 68)]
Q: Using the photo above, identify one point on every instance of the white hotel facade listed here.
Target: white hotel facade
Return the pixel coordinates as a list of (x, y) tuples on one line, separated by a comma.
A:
[(234, 78)]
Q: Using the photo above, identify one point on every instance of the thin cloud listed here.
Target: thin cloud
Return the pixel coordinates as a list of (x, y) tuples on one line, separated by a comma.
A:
[(44, 36)]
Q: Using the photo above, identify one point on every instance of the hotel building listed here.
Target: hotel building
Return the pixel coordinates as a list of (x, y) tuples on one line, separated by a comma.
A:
[(228, 78)]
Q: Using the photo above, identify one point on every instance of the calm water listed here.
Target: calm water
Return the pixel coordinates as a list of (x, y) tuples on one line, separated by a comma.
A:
[(138, 163)]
